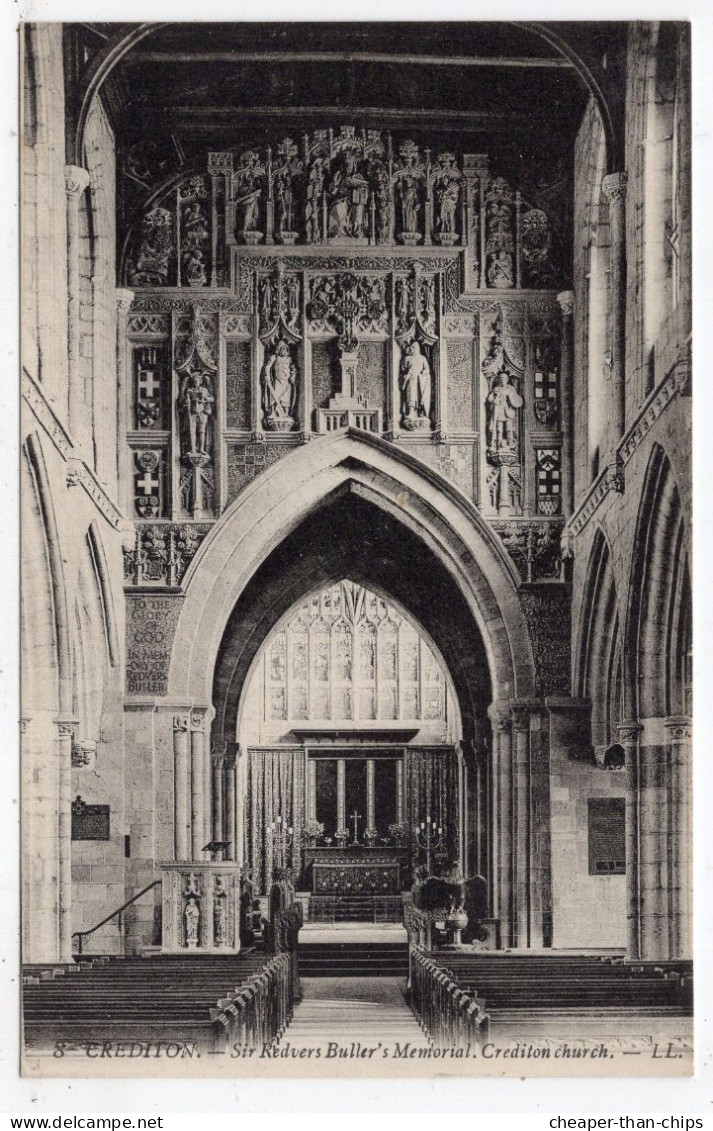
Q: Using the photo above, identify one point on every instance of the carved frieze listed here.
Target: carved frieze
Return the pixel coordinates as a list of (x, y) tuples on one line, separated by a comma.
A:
[(162, 553), (246, 461), (535, 548), (345, 187), (548, 613)]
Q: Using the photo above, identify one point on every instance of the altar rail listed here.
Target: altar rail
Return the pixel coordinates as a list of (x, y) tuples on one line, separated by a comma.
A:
[(450, 1017)]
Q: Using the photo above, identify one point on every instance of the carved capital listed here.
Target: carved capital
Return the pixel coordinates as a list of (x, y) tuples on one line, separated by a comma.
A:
[(628, 732), (566, 301), (678, 728), (614, 187), (124, 299), (76, 180), (66, 727), (198, 720), (181, 722)]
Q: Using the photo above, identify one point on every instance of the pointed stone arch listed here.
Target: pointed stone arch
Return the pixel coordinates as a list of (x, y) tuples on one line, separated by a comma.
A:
[(598, 673), (657, 627), (377, 478)]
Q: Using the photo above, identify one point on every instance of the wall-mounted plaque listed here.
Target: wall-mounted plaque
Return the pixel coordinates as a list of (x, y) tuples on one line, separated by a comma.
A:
[(89, 822)]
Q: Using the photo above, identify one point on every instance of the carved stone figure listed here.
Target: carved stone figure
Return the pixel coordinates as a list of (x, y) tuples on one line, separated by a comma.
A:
[(219, 920), (248, 196), (349, 197), (197, 402), (408, 192), (447, 202), (382, 201), (154, 255), (313, 207), (499, 272), (502, 404), (415, 387), (285, 200), (279, 389), (192, 919)]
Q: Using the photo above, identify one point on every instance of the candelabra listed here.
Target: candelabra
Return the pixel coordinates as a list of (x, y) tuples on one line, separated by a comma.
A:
[(281, 836), (429, 838)]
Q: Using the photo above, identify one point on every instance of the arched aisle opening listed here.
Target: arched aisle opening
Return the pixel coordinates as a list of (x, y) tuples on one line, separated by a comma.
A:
[(352, 770)]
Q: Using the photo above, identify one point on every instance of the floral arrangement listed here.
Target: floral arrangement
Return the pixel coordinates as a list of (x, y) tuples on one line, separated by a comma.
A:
[(313, 830), (398, 834)]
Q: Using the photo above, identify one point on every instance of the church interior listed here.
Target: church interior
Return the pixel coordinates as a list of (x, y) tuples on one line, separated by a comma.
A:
[(356, 502)]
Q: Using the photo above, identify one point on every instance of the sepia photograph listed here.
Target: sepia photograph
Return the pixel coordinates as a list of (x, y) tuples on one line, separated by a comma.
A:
[(355, 483)]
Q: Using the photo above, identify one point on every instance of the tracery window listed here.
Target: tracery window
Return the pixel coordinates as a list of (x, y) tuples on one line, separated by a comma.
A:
[(346, 654)]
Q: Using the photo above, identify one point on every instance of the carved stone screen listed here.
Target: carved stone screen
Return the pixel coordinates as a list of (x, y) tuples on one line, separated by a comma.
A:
[(607, 836)]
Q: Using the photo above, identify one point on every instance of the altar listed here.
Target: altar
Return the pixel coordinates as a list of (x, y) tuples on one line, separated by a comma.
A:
[(358, 870)]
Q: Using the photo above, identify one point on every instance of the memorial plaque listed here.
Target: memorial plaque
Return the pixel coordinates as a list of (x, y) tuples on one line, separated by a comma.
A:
[(89, 822)]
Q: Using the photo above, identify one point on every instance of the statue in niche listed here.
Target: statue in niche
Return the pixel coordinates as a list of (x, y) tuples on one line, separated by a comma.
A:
[(292, 295), (285, 200), (408, 192), (499, 273), (502, 404), (447, 203), (156, 249), (415, 387), (313, 208), (248, 199), (196, 402), (279, 389), (349, 194), (382, 200), (192, 920)]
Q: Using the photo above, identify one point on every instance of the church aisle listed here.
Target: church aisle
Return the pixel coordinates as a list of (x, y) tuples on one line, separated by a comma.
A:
[(352, 1010)]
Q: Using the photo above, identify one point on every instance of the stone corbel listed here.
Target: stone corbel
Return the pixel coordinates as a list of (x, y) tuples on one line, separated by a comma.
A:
[(83, 754)]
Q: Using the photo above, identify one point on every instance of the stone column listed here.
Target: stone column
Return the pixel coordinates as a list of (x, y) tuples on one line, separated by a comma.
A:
[(198, 759), (341, 795), (566, 301), (230, 824), (521, 786), (628, 735), (65, 733), (181, 770), (680, 849), (124, 299), (311, 790), (614, 189), (370, 810), (76, 180), (400, 792), (502, 817), (218, 762)]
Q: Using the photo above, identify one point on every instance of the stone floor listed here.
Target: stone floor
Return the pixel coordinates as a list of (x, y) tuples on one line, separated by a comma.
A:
[(353, 1014)]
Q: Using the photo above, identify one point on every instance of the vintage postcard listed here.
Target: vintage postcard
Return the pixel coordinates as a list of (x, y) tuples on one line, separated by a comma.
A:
[(356, 549)]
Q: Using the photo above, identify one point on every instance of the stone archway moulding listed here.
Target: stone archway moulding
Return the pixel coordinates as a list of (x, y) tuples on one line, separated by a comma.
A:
[(279, 500)]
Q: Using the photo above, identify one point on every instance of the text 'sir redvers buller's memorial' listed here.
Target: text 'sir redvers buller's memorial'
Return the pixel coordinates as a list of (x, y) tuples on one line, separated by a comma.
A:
[(356, 496)]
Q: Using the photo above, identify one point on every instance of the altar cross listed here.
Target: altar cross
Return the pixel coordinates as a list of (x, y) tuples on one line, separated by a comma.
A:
[(355, 817)]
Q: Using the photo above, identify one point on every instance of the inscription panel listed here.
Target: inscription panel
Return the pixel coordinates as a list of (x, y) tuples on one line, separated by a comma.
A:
[(238, 380), (461, 401), (150, 627)]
